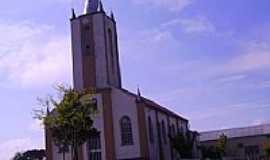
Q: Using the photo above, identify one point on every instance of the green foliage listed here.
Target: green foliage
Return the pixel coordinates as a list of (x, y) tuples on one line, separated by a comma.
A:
[(17, 156), (267, 149), (221, 144), (70, 122), (210, 152), (217, 151), (30, 155), (183, 144)]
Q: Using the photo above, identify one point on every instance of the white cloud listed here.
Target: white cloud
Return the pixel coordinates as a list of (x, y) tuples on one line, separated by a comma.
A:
[(251, 58), (172, 5), (255, 59), (161, 36), (10, 147), (226, 110), (197, 24), (33, 55), (232, 78)]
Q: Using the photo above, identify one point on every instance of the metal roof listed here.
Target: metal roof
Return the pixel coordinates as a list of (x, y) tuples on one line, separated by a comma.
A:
[(236, 132)]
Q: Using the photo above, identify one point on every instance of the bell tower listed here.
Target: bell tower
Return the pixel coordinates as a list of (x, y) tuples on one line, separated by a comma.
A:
[(95, 48)]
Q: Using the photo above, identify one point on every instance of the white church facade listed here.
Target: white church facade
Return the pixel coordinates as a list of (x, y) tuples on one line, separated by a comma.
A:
[(131, 127)]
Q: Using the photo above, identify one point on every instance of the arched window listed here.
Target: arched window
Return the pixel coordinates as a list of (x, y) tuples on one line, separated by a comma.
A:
[(126, 131), (164, 133), (150, 128)]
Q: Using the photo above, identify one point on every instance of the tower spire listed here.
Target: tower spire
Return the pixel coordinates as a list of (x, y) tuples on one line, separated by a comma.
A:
[(73, 14), (138, 92), (112, 16), (139, 97), (90, 6), (101, 9)]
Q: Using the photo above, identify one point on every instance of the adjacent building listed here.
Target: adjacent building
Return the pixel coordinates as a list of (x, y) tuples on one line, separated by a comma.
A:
[(131, 126), (245, 143)]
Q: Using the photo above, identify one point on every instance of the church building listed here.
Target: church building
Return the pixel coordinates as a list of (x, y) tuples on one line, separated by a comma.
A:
[(131, 126)]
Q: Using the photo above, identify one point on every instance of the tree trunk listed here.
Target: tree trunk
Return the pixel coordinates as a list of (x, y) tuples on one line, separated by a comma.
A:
[(64, 155), (74, 154)]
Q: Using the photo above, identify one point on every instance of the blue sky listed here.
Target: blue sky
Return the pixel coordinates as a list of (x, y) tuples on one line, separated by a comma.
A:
[(207, 60)]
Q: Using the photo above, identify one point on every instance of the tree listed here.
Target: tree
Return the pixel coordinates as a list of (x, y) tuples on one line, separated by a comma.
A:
[(267, 149), (17, 156), (216, 151), (70, 122), (30, 155), (183, 144), (210, 152), (221, 144)]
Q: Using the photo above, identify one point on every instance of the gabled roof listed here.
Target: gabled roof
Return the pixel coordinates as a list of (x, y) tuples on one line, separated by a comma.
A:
[(154, 105)]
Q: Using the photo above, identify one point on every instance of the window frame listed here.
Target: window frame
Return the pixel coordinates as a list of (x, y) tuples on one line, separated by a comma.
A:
[(126, 131), (94, 153)]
